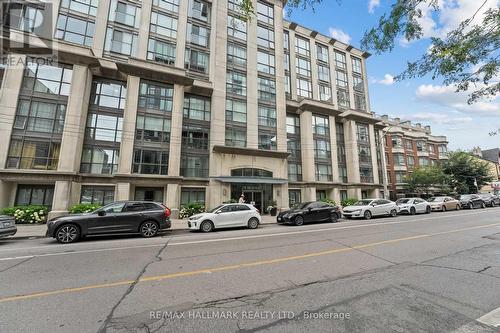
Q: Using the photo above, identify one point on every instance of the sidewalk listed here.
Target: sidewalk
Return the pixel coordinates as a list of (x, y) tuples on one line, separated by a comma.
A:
[(38, 230)]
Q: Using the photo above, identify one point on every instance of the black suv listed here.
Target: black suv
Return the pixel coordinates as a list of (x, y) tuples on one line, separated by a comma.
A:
[(471, 201), (490, 200), (315, 211), (142, 217)]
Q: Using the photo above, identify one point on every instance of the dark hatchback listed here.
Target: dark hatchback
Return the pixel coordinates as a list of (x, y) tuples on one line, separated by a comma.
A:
[(307, 212), (132, 217), (490, 200), (471, 201)]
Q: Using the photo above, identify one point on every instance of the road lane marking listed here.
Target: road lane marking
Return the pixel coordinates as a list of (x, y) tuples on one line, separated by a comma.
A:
[(212, 240), (491, 318), (234, 266)]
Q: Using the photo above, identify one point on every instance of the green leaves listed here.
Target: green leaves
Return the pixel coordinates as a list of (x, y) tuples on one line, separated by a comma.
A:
[(464, 169)]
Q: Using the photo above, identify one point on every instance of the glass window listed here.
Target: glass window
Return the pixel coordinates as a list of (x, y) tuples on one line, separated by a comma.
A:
[(322, 149), (357, 83), (293, 147), (87, 7), (322, 52), (195, 137), (75, 30), (323, 172), (236, 28), (196, 61), (156, 96), (189, 195), (154, 194), (52, 80), (265, 13), (198, 35), (163, 25), (150, 162), (197, 107), (120, 41), (125, 13), (99, 160), (265, 37), (34, 195), (236, 111), (102, 195), (234, 5), (341, 79), (325, 93), (410, 160), (266, 89), (267, 140), (343, 98), (294, 171), (303, 67), (324, 73), (109, 94), (302, 46), (340, 60), (366, 174), (30, 154), (236, 137), (194, 166), (200, 10), (23, 16), (170, 5), (362, 133), (160, 51), (304, 88), (43, 117), (397, 142), (236, 83), (356, 65), (267, 116), (152, 129), (292, 124), (359, 102), (364, 154), (320, 125), (265, 62), (237, 55)]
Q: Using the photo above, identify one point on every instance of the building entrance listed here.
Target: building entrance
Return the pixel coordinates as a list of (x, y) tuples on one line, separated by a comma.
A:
[(259, 195)]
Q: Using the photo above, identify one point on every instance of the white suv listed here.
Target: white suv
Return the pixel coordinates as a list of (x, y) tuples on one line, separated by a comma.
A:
[(226, 216)]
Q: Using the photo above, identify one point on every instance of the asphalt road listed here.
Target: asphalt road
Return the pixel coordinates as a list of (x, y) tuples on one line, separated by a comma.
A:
[(425, 273)]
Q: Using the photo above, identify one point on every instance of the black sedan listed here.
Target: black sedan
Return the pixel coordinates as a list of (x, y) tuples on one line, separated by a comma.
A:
[(7, 226), (490, 200), (471, 201), (306, 212), (143, 217)]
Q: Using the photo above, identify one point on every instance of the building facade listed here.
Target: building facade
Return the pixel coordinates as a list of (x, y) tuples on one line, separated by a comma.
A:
[(181, 101), (409, 146)]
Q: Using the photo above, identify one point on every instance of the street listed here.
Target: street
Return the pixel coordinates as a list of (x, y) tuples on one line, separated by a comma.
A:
[(423, 273)]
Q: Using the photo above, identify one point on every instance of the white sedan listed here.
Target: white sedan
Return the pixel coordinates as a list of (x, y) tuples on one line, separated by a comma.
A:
[(413, 206), (226, 216), (367, 208)]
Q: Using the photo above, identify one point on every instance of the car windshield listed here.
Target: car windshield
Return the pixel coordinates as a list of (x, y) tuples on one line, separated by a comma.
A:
[(435, 199), (465, 196), (115, 207), (214, 209), (485, 195), (302, 205), (402, 201), (363, 203)]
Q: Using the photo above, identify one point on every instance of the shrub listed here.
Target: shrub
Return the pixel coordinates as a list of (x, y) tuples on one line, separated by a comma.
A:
[(27, 214), (349, 202), (84, 208), (329, 201), (191, 209)]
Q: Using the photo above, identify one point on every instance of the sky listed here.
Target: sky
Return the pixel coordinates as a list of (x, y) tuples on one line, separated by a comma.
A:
[(420, 100)]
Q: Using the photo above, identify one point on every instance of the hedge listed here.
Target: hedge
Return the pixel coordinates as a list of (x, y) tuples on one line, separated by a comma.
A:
[(349, 202), (84, 208), (27, 214), (329, 201), (191, 209)]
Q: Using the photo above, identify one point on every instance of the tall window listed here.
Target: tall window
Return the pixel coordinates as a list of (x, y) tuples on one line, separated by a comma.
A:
[(75, 30), (342, 81), (103, 132), (236, 83), (236, 28), (322, 150), (39, 121), (358, 84), (364, 153), (341, 152), (294, 147)]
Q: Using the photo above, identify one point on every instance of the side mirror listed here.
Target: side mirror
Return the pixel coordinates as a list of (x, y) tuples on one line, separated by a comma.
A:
[(217, 212), (309, 208), (373, 204), (101, 213)]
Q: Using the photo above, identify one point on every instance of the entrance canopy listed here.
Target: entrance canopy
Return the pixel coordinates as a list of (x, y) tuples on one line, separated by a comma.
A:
[(250, 180)]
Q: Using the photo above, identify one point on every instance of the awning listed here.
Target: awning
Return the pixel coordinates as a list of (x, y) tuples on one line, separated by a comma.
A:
[(250, 180)]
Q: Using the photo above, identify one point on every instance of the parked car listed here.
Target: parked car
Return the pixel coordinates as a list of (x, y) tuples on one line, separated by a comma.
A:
[(413, 206), (226, 216), (306, 212), (490, 199), (443, 203), (7, 226), (471, 201), (367, 208), (143, 217)]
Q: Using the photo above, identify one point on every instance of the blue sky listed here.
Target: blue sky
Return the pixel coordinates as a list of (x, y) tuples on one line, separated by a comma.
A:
[(421, 100)]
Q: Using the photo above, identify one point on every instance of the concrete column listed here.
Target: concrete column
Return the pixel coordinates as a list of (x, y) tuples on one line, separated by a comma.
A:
[(280, 82), (349, 80), (384, 179), (293, 64), (174, 199), (143, 40), (314, 70), (61, 200), (9, 94), (181, 33), (75, 193), (280, 194), (7, 194), (351, 147), (309, 193), (174, 160), (307, 146), (354, 193), (333, 145), (123, 191), (365, 84), (129, 121), (373, 151), (252, 107), (101, 22), (76, 118), (336, 195), (333, 75)]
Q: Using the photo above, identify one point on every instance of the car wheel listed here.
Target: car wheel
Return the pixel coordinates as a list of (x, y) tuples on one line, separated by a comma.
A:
[(458, 207), (298, 220), (367, 215), (68, 233), (412, 211), (471, 205), (428, 210), (483, 205), (443, 209), (334, 217), (394, 213), (207, 226), (148, 229), (253, 223)]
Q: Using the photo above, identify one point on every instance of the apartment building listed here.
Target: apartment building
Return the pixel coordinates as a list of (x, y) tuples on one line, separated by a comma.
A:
[(181, 101), (408, 146)]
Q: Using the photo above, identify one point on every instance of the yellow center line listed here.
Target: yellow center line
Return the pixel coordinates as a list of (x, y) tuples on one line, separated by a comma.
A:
[(233, 267)]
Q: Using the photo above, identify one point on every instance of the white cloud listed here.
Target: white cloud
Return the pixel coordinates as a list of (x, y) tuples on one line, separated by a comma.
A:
[(339, 35), (387, 80), (446, 96), (372, 4), (438, 118)]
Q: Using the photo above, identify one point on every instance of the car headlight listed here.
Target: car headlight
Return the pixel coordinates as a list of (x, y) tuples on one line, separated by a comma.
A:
[(356, 211), (194, 218)]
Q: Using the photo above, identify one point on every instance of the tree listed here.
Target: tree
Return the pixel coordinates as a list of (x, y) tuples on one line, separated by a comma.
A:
[(464, 169), (424, 179)]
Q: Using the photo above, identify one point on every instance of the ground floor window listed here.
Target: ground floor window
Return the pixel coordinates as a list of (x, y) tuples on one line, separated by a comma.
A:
[(149, 194), (320, 195), (101, 195), (294, 197), (192, 195), (343, 195), (34, 195), (364, 194), (258, 195)]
